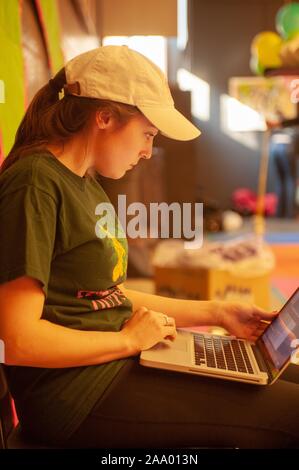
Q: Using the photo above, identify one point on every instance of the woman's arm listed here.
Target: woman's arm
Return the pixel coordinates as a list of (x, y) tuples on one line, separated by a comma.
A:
[(241, 319), (30, 340), (185, 312)]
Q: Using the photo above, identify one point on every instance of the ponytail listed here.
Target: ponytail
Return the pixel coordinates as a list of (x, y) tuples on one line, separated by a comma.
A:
[(49, 119), (35, 127)]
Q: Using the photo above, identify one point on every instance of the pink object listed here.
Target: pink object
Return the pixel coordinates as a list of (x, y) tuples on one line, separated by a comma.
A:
[(245, 201), (14, 414), (270, 203)]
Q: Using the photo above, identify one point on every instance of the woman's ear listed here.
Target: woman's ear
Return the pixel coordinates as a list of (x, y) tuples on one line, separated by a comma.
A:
[(104, 119)]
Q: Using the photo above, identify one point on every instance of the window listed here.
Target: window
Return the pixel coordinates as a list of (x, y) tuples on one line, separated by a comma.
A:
[(153, 47)]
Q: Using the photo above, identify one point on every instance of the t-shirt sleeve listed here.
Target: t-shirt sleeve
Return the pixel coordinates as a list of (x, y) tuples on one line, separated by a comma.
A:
[(27, 234)]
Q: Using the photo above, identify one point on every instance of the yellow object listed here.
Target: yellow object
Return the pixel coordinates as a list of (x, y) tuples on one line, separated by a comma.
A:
[(12, 102), (212, 284), (14, 99), (266, 48), (49, 18)]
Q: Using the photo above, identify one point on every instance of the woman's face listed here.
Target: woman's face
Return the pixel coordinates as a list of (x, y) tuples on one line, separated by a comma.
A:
[(116, 149)]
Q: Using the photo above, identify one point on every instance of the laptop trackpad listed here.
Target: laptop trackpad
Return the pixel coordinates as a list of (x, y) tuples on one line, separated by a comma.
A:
[(179, 344), (169, 352)]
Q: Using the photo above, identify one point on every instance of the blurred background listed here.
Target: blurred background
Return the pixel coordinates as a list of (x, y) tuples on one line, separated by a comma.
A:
[(233, 67)]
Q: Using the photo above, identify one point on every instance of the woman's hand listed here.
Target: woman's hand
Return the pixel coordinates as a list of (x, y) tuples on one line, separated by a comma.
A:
[(146, 328), (243, 319)]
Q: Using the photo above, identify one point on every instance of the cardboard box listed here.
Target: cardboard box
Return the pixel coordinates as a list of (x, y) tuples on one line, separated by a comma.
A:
[(211, 284)]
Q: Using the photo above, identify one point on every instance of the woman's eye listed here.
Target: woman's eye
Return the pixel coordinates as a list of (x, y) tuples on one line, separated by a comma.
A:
[(149, 135)]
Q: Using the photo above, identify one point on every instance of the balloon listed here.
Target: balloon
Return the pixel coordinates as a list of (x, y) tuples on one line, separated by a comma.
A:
[(287, 20), (266, 47), (255, 66)]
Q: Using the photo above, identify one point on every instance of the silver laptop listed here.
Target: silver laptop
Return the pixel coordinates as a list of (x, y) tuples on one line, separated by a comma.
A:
[(227, 357)]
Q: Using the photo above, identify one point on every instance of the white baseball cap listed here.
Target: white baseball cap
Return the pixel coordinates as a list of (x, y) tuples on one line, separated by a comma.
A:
[(120, 74)]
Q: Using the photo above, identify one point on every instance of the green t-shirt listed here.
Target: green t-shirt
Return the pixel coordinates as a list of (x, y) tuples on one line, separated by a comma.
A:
[(48, 232)]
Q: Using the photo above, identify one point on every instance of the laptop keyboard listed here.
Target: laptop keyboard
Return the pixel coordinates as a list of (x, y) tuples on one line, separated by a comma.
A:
[(221, 353)]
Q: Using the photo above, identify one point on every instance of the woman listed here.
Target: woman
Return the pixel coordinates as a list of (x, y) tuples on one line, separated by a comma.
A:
[(72, 332)]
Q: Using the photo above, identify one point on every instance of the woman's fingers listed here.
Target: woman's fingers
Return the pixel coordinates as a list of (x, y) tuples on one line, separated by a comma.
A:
[(142, 309), (167, 321), (264, 316), (262, 325), (170, 337), (170, 333), (258, 331)]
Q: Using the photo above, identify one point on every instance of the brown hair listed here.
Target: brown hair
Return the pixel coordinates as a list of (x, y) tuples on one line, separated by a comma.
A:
[(49, 119)]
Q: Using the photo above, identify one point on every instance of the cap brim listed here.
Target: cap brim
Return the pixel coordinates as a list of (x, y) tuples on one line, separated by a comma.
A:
[(170, 122)]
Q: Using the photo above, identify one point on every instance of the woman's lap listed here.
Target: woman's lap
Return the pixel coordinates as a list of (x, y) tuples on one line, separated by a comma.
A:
[(146, 407)]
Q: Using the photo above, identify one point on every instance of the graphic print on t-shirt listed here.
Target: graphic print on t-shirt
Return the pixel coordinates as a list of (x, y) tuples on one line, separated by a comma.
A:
[(102, 299), (120, 266)]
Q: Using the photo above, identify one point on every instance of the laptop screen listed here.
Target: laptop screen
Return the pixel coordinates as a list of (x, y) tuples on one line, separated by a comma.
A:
[(280, 337)]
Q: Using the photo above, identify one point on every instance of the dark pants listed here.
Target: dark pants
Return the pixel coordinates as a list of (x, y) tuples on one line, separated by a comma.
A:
[(146, 407), (285, 171)]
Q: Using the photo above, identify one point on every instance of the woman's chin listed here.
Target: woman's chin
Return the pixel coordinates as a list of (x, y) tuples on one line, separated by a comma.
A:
[(115, 175)]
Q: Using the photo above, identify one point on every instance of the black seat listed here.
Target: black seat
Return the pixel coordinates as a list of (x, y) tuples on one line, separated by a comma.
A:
[(11, 437)]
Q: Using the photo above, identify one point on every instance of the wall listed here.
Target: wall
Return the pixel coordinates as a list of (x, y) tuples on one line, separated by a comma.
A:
[(37, 37), (219, 48)]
